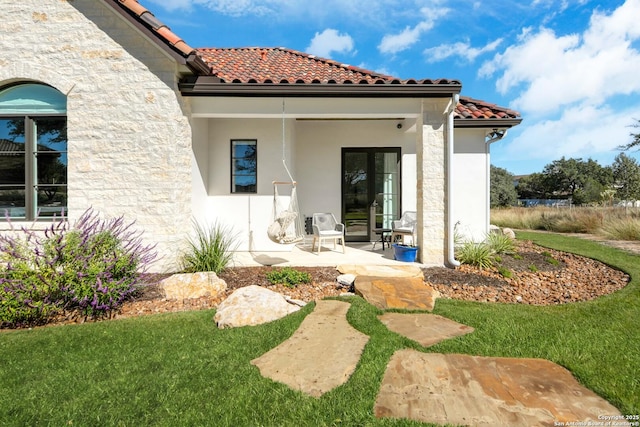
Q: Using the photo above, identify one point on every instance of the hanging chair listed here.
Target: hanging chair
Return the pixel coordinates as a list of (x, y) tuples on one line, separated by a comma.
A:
[(287, 226)]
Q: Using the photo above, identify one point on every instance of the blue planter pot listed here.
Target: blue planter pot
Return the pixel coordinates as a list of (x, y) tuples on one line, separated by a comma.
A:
[(404, 253)]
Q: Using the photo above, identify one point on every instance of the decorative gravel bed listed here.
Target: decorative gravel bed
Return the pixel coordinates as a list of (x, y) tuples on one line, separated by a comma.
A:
[(539, 276)]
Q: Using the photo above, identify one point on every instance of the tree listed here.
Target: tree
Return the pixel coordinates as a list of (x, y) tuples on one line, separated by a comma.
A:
[(582, 181), (626, 175), (503, 192), (534, 186), (636, 139)]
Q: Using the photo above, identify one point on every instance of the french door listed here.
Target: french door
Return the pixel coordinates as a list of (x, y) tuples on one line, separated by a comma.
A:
[(370, 190)]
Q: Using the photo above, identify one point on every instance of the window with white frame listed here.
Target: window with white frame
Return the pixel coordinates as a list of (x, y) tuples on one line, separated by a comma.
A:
[(33, 152), (244, 166)]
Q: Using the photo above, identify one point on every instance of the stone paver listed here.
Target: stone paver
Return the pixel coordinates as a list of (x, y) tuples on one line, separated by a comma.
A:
[(424, 328), (381, 270), (321, 355), (410, 293), (482, 391)]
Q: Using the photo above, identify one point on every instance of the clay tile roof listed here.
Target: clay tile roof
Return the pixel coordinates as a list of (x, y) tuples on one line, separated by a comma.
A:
[(286, 66), (475, 109), (144, 15)]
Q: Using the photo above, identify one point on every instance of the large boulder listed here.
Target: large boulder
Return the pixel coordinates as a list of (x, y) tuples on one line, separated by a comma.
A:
[(195, 285), (253, 305)]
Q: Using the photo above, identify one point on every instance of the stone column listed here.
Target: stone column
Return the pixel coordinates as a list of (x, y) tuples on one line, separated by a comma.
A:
[(431, 186)]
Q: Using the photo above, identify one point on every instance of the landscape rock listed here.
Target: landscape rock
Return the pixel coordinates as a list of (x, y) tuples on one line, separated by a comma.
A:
[(192, 285), (346, 280), (509, 232), (252, 305), (457, 389), (410, 293), (381, 270), (321, 354)]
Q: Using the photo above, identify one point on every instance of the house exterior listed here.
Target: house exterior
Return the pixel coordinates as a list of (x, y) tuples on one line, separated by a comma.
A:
[(133, 121)]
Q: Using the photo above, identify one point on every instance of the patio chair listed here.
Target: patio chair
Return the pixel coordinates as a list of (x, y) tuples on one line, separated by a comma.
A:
[(325, 227), (405, 226)]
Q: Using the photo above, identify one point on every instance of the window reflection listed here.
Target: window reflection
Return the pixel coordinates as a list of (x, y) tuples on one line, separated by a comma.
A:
[(244, 166)]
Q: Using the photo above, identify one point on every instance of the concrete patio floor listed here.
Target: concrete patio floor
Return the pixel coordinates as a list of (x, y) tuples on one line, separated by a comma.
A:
[(360, 253)]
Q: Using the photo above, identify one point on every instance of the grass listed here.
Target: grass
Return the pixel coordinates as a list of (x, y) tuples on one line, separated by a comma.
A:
[(179, 369), (612, 222)]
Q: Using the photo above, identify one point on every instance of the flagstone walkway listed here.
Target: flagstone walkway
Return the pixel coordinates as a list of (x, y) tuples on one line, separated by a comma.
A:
[(428, 387)]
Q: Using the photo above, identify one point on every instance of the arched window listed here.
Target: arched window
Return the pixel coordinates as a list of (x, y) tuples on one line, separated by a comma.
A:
[(33, 151)]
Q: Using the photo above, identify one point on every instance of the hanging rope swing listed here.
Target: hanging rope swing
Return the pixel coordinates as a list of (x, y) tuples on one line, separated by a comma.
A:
[(287, 226)]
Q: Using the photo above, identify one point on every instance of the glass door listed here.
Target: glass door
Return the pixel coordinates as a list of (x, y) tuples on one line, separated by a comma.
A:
[(370, 190)]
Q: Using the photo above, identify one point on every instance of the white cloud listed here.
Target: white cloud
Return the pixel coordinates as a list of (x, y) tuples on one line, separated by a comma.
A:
[(554, 71), (330, 40), (463, 50), (394, 43), (579, 130)]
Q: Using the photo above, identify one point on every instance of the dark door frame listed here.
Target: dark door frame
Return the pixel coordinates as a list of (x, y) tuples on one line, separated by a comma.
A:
[(371, 182)]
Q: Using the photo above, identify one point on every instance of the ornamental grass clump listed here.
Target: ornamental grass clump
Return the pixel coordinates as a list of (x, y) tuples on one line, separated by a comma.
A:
[(91, 267), (477, 254), (501, 243), (211, 249)]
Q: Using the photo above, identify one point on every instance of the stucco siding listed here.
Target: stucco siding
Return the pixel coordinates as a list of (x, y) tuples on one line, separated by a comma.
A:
[(470, 210), (129, 139), (313, 153)]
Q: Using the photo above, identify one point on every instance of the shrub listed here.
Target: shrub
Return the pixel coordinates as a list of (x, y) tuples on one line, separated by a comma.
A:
[(500, 243), (552, 261), (288, 277), (476, 254), (210, 250), (505, 272), (93, 266)]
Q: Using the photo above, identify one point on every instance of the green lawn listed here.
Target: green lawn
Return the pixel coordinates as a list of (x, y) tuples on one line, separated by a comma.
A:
[(179, 369)]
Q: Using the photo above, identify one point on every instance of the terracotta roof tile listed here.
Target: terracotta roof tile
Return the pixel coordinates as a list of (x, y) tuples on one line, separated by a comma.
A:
[(280, 65), (475, 109), (286, 66), (144, 15)]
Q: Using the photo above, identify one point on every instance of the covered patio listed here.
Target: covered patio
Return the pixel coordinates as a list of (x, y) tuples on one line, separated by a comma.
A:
[(357, 253)]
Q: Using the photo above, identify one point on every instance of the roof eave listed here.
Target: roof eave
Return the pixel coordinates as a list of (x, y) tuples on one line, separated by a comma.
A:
[(192, 61), (486, 123), (213, 86)]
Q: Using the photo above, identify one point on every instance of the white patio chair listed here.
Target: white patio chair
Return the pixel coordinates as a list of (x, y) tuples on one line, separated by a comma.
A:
[(325, 227), (405, 226)]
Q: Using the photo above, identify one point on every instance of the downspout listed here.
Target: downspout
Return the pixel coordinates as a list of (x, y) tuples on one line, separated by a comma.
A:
[(496, 136), (451, 259)]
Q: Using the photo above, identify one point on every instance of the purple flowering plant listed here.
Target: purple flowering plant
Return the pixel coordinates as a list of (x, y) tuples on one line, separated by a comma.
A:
[(93, 266)]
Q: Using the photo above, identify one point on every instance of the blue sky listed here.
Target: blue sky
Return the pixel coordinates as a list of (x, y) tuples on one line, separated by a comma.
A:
[(571, 67)]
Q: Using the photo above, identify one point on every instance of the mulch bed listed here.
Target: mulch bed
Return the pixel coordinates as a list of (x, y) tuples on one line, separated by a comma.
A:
[(539, 277)]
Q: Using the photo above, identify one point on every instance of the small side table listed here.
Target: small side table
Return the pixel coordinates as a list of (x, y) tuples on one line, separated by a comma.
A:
[(382, 232)]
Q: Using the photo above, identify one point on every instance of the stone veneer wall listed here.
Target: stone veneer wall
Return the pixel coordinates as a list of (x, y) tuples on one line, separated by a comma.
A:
[(431, 156), (129, 139)]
